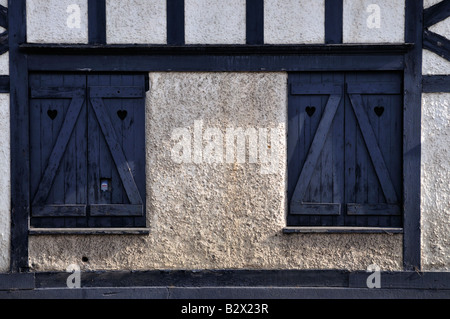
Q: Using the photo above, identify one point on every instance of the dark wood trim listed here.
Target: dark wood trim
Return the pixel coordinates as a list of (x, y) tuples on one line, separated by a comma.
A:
[(412, 135), (240, 49), (436, 84), (216, 63), (97, 21), (436, 43), (255, 21), (3, 17), (342, 230), (334, 10), (175, 22), (88, 231), (4, 83), (436, 13), (20, 179)]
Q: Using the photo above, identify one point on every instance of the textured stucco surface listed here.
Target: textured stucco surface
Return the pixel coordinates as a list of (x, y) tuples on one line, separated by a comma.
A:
[(136, 21), (213, 216), (294, 21), (433, 64), (5, 184), (47, 22), (215, 22), (435, 175), (392, 22), (429, 3)]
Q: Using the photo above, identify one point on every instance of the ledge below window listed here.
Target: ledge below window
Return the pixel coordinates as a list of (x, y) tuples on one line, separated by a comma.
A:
[(342, 230), (89, 231)]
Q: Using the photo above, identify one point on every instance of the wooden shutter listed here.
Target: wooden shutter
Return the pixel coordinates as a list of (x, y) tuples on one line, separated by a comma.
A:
[(116, 151), (86, 130), (315, 148), (345, 149), (58, 145), (373, 139)]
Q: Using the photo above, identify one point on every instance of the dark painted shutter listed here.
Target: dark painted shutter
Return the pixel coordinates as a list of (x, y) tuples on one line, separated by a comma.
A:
[(87, 150), (373, 139), (315, 147), (345, 149), (58, 145), (117, 149)]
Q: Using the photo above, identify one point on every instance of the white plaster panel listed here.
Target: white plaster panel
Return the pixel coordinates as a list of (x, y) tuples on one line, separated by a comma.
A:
[(294, 21), (429, 3), (215, 22), (5, 184), (52, 21), (442, 28), (136, 21), (4, 3), (433, 64), (360, 21), (435, 182), (4, 64)]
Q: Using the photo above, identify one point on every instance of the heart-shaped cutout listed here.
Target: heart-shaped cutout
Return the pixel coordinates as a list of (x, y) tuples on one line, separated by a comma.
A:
[(122, 114), (310, 110), (52, 114), (379, 110)]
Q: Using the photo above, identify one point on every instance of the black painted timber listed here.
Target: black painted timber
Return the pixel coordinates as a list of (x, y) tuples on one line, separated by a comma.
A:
[(175, 22), (334, 10), (437, 44), (436, 84), (17, 281), (20, 197), (255, 21), (412, 102), (4, 83), (96, 21), (436, 13)]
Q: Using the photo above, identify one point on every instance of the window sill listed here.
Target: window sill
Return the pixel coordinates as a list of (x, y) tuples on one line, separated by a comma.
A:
[(89, 231), (342, 230)]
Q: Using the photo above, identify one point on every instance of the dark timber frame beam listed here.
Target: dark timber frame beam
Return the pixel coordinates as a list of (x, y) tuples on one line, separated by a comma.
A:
[(436, 84), (412, 135), (437, 44), (436, 13), (20, 197), (334, 10), (175, 22), (97, 21), (255, 21)]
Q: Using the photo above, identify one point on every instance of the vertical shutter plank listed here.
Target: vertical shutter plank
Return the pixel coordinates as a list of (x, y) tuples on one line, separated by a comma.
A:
[(316, 147), (116, 151), (372, 146), (58, 150)]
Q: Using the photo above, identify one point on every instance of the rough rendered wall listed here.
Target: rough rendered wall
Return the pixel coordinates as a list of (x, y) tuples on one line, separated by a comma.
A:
[(374, 21), (212, 215), (57, 21), (435, 192), (435, 205), (136, 21), (294, 21), (215, 22)]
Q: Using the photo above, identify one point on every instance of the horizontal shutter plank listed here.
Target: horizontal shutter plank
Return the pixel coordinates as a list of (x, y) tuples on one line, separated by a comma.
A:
[(57, 92), (116, 92), (116, 210), (315, 209), (59, 211), (374, 88), (315, 89), (373, 209)]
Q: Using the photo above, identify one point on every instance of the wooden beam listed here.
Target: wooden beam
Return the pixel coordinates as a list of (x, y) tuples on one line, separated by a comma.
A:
[(255, 21), (436, 84), (437, 44), (436, 13), (97, 21), (333, 21), (175, 22)]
